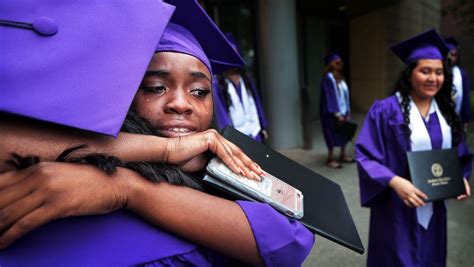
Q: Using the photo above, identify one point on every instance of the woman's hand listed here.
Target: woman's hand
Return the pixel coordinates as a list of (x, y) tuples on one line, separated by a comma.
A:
[(340, 118), (408, 193), (49, 191), (468, 190), (188, 152)]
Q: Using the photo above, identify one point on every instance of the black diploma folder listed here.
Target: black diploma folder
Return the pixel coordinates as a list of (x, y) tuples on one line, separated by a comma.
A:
[(346, 128), (325, 208), (437, 173)]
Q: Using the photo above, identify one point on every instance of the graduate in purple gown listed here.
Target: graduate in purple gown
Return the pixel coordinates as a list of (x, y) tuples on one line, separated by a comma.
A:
[(334, 108), (461, 83), (238, 101), (404, 230), (188, 227)]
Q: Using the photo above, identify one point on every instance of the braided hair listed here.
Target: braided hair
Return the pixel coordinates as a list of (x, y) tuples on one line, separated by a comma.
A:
[(443, 99)]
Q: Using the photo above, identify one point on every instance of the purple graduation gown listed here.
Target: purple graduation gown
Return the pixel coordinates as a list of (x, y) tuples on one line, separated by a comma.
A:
[(328, 106), (395, 237), (221, 111), (123, 239), (465, 112)]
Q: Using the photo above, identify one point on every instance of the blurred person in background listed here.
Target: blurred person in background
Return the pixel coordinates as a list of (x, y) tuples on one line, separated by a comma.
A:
[(334, 109), (238, 101), (461, 83)]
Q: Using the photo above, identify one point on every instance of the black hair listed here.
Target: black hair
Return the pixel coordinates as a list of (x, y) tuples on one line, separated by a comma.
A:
[(155, 172), (443, 99)]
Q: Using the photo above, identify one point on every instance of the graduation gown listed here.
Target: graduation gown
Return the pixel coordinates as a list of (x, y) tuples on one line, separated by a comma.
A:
[(123, 239), (465, 112), (328, 107), (221, 111), (395, 237)]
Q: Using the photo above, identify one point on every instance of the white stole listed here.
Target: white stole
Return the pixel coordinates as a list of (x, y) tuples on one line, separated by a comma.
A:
[(420, 140), (244, 114), (342, 94), (457, 88)]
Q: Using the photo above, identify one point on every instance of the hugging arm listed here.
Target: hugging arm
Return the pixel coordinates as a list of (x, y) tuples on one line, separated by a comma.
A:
[(48, 191), (29, 137)]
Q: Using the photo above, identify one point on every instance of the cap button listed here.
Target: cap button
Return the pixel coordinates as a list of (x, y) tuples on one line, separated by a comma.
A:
[(45, 26)]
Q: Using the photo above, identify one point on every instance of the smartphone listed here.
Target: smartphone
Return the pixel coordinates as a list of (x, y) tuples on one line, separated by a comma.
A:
[(278, 194)]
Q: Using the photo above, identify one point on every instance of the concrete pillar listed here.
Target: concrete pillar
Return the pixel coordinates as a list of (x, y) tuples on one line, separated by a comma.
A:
[(279, 71), (374, 68)]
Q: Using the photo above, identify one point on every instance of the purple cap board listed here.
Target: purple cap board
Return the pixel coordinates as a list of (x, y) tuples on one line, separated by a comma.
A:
[(77, 62), (427, 45), (233, 42), (193, 32)]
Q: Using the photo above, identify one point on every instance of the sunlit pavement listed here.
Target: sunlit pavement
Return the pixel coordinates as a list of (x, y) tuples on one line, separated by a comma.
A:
[(328, 253)]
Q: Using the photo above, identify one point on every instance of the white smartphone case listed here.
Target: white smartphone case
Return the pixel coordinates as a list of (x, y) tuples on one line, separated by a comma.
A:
[(278, 194)]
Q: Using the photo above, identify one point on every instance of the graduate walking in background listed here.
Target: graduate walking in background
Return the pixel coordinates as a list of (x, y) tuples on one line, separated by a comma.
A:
[(420, 115), (237, 101), (461, 83), (334, 109)]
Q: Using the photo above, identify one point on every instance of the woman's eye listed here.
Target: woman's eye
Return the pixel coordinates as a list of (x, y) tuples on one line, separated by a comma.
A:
[(425, 71), (200, 92), (154, 89)]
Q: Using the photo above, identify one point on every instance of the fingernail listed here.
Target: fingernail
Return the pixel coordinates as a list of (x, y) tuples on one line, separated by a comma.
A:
[(255, 176), (258, 166), (262, 172)]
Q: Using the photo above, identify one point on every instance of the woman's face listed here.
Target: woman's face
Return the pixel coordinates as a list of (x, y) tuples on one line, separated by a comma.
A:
[(175, 95), (427, 78), (453, 56), (336, 64)]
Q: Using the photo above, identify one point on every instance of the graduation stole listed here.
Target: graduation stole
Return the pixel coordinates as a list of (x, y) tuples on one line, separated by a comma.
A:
[(458, 88), (243, 111), (420, 140), (342, 94)]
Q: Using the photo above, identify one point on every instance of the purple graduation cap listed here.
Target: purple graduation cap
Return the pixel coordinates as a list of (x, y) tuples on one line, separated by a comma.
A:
[(77, 63), (331, 57), (233, 42), (451, 43), (192, 32), (427, 45)]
